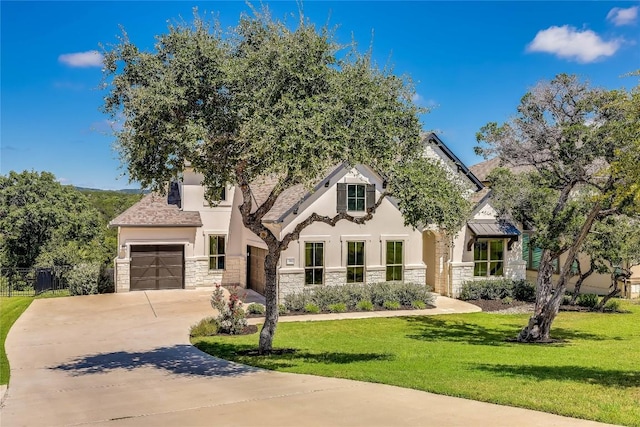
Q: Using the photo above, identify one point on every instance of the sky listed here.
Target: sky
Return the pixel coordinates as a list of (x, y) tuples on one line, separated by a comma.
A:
[(470, 62)]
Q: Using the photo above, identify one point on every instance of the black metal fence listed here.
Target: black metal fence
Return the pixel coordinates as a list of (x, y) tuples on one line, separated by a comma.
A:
[(32, 281)]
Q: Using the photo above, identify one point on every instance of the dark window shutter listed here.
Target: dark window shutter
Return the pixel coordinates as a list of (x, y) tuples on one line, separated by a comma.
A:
[(342, 198), (371, 195)]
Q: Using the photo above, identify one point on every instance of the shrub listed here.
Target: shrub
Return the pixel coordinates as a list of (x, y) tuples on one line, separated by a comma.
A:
[(338, 308), (206, 327), (296, 301), (231, 317), (418, 305), (364, 305), (406, 293), (282, 309), (324, 296), (391, 305), (255, 308), (498, 289), (84, 279), (311, 308), (354, 293), (507, 300), (381, 292), (587, 300), (612, 305), (524, 291)]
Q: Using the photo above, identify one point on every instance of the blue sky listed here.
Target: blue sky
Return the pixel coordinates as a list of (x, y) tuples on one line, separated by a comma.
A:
[(470, 61)]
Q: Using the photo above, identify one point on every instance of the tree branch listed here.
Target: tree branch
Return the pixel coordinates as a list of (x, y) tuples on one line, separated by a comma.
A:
[(332, 221)]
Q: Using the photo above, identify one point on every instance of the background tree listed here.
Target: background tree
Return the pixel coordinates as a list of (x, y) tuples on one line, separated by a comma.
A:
[(46, 223), (571, 138), (612, 246), (264, 99)]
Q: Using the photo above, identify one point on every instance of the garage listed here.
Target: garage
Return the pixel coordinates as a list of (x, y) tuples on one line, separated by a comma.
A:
[(256, 278), (157, 267)]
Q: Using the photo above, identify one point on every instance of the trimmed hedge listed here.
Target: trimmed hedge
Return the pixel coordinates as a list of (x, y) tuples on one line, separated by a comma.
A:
[(357, 297), (520, 290)]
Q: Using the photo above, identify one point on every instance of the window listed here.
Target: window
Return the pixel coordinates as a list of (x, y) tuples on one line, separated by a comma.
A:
[(313, 263), (355, 197), (489, 258), (394, 261), (216, 252), (355, 262), (532, 255)]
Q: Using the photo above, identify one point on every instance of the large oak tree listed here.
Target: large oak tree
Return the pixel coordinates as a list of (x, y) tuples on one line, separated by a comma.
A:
[(269, 99), (578, 147)]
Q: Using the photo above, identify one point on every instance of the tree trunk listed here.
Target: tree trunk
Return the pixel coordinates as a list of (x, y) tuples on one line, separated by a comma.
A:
[(271, 302), (615, 290), (581, 279), (547, 305)]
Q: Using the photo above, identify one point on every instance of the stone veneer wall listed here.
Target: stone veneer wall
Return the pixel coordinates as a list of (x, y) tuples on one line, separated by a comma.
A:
[(460, 273), (122, 273), (235, 273), (515, 270), (415, 275), (292, 280)]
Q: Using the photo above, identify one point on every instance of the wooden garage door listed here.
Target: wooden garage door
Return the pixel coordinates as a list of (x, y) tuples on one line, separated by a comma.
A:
[(255, 274), (157, 267)]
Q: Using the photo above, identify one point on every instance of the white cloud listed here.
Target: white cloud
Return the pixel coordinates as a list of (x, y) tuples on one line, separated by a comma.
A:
[(620, 16), (91, 58), (569, 43)]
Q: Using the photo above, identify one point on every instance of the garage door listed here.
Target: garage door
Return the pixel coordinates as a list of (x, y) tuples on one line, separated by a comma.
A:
[(255, 265), (157, 267)]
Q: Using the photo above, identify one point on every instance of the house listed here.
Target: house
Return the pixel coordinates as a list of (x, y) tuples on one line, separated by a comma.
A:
[(179, 241), (597, 283)]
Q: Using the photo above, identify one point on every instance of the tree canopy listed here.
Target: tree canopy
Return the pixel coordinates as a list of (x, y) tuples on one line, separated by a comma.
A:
[(46, 223), (269, 99), (577, 146)]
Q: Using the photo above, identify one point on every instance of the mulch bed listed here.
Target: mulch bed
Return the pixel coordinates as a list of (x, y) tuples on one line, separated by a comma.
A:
[(248, 330)]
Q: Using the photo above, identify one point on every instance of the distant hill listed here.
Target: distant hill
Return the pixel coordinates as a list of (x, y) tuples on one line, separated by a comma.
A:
[(124, 190)]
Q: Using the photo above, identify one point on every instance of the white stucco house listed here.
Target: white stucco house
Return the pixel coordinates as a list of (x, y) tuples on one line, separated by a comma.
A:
[(179, 241)]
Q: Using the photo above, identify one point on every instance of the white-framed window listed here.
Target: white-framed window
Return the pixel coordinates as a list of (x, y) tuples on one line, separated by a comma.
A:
[(395, 260), (313, 263), (355, 262), (488, 257), (216, 252)]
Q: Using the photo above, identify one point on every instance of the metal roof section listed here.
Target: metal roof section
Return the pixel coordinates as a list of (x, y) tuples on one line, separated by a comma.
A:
[(493, 228)]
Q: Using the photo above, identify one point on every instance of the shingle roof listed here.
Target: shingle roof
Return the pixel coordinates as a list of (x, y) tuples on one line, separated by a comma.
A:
[(154, 211), (261, 188)]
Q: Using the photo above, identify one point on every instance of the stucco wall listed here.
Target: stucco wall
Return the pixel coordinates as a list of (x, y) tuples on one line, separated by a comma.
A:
[(386, 225)]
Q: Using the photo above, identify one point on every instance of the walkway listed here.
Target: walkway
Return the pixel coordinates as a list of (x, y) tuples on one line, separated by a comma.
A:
[(125, 360)]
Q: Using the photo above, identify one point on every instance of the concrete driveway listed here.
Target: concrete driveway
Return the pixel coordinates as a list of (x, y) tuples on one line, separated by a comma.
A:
[(125, 359)]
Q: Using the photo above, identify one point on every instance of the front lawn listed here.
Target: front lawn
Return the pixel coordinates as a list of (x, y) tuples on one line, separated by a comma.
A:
[(10, 310), (593, 374)]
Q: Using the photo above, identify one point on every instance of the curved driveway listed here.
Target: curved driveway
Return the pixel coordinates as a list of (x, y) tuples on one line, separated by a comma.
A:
[(125, 359)]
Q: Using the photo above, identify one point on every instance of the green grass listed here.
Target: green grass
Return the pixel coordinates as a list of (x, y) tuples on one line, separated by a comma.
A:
[(10, 310), (594, 373)]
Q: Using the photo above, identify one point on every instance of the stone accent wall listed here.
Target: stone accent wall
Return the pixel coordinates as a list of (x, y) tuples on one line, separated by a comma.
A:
[(122, 273), (335, 277), (515, 270), (415, 275), (289, 282), (374, 275), (235, 273), (195, 271), (460, 273)]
